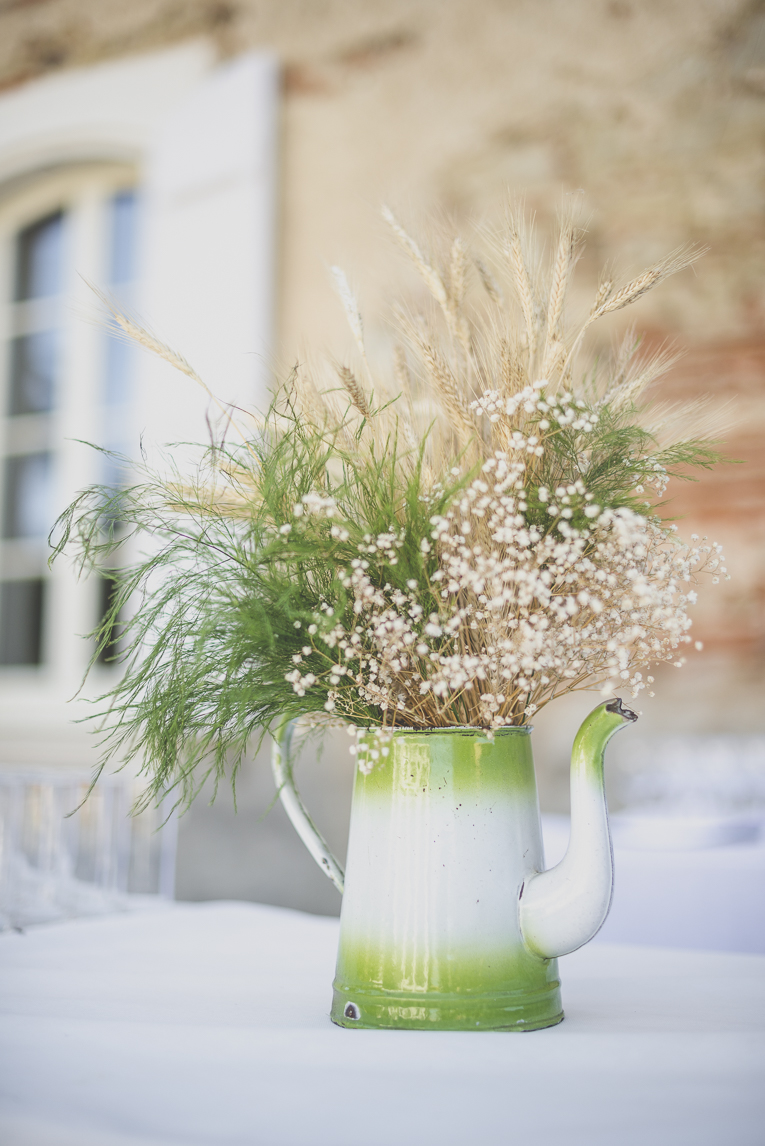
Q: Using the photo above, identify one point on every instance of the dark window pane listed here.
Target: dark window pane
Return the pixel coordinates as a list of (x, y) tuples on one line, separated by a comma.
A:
[(34, 364), (21, 621), (123, 235), (114, 472), (120, 355), (38, 258), (27, 496), (122, 269), (108, 589)]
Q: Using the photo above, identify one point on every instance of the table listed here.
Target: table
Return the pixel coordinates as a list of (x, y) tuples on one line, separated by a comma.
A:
[(711, 899), (206, 1025)]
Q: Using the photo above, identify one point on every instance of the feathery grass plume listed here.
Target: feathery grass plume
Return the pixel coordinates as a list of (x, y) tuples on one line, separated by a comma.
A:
[(622, 356), (704, 420), (638, 374), (457, 545)]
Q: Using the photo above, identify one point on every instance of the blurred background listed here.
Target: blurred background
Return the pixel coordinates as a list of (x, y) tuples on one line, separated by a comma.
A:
[(206, 163)]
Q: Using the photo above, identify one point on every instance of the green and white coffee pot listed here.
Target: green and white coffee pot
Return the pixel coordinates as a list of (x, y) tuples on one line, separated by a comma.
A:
[(449, 920)]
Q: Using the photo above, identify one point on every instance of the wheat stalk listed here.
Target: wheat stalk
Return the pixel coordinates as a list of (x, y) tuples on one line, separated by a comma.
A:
[(512, 373)]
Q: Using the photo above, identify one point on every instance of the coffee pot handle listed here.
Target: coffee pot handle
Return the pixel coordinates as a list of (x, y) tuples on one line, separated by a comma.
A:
[(281, 766)]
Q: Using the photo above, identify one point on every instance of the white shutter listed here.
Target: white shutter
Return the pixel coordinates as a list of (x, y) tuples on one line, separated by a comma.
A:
[(95, 114), (208, 278)]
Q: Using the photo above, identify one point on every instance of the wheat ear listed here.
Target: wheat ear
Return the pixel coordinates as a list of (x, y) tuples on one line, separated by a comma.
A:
[(447, 389), (134, 332), (432, 278), (401, 370), (490, 284), (565, 259), (351, 308), (605, 288), (523, 284), (458, 264), (354, 389), (512, 372), (676, 261)]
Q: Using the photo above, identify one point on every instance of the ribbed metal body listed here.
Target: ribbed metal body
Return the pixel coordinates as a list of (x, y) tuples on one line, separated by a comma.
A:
[(445, 830)]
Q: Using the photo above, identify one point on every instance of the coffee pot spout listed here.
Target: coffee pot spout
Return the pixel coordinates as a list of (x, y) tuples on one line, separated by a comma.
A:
[(563, 908)]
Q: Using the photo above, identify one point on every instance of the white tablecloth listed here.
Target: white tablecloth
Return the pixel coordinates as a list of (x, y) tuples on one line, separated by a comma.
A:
[(710, 899), (207, 1024)]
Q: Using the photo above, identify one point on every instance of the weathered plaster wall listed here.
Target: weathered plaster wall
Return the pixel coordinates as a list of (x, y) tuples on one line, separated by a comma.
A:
[(654, 110)]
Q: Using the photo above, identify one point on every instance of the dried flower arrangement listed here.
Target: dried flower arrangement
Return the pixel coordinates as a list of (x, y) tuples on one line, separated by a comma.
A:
[(459, 548)]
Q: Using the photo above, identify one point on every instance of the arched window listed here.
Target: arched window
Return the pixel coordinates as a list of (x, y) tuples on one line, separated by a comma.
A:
[(58, 371), (152, 178)]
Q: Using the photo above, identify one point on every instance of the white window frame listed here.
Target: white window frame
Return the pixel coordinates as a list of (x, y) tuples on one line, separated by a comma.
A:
[(81, 193)]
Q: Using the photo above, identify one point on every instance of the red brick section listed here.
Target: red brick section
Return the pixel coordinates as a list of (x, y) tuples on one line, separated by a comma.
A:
[(728, 504)]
